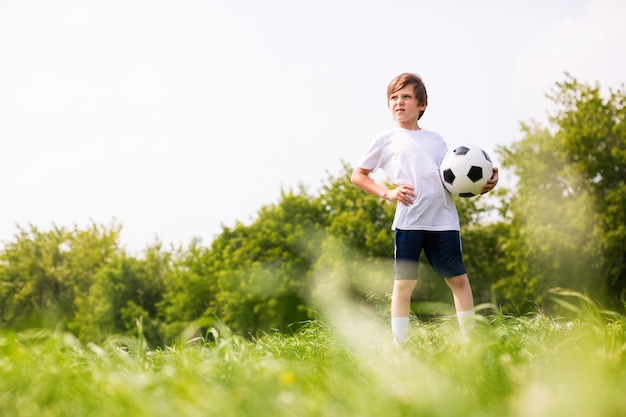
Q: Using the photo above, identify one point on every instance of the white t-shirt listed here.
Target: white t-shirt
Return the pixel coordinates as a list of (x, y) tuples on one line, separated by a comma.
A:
[(413, 157)]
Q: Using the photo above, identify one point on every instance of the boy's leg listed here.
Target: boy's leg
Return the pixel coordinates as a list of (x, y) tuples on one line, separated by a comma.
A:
[(462, 292), (407, 250), (400, 308), (463, 301)]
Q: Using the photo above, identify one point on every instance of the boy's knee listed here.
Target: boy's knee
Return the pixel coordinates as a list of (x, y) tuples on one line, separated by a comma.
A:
[(458, 281), (404, 287)]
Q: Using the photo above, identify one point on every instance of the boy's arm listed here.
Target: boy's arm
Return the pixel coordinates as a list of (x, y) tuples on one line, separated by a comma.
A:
[(404, 193)]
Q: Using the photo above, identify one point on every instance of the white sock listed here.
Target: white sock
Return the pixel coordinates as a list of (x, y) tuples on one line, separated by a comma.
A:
[(400, 329), (466, 321)]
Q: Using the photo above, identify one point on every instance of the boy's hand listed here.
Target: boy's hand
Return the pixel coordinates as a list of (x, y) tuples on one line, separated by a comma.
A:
[(404, 194), (491, 184)]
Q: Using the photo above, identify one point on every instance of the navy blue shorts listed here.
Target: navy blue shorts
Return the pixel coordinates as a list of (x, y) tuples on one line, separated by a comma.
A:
[(442, 249)]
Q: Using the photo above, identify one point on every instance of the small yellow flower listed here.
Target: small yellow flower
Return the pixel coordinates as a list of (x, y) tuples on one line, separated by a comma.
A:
[(287, 378)]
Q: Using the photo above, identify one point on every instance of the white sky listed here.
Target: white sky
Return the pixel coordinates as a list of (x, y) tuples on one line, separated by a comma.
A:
[(175, 117)]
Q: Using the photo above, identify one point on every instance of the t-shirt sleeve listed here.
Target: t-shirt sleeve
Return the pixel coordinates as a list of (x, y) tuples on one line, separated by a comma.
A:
[(373, 157)]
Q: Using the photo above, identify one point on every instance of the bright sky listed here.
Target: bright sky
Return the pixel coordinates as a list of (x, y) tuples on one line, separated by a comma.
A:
[(175, 117)]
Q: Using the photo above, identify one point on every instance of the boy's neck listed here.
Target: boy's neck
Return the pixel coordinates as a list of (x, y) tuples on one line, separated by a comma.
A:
[(409, 126)]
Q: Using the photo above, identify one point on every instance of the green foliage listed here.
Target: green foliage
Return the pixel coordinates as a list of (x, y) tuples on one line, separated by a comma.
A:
[(79, 280), (362, 221), (567, 212), (484, 256), (122, 292), (592, 137), (514, 366), (261, 270), (44, 275), (551, 224), (188, 288), (358, 244)]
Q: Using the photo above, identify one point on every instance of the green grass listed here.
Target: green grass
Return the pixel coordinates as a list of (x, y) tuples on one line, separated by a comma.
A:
[(529, 366)]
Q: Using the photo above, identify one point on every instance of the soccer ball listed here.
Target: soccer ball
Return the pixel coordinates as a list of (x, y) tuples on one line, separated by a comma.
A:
[(465, 170)]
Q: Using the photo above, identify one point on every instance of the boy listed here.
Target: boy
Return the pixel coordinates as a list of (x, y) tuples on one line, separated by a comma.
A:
[(426, 217)]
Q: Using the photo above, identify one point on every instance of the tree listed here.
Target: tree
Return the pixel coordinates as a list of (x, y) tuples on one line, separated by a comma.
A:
[(360, 220), (43, 275), (260, 271), (567, 209), (188, 289), (123, 292), (592, 138)]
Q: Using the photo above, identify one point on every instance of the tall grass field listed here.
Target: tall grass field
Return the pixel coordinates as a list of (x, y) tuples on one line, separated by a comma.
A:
[(529, 366)]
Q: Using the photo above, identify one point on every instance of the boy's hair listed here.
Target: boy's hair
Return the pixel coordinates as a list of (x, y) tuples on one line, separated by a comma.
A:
[(403, 80)]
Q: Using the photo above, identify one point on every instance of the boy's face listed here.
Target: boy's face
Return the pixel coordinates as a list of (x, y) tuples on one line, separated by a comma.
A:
[(405, 108)]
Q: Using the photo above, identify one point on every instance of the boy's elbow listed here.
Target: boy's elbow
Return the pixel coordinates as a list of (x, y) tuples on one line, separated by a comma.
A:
[(355, 177), (360, 177)]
